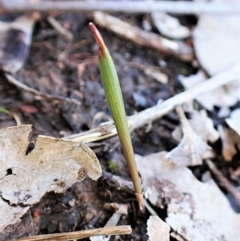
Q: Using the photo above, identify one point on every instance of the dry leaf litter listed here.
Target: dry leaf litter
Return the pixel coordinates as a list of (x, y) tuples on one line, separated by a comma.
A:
[(59, 163)]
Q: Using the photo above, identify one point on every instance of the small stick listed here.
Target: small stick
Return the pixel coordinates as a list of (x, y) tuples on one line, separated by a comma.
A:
[(224, 181), (143, 38), (178, 7), (118, 230), (59, 28), (24, 87), (107, 129)]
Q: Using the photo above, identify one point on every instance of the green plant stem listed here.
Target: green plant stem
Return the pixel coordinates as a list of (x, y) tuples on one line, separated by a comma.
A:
[(115, 101)]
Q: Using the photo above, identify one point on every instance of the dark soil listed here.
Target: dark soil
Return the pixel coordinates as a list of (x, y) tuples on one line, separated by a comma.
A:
[(70, 69)]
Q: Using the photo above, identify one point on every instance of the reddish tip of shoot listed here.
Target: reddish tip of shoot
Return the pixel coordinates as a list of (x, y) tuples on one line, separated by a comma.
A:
[(97, 37)]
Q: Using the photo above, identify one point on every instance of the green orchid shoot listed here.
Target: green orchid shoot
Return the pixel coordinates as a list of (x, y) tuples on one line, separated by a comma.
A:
[(115, 101)]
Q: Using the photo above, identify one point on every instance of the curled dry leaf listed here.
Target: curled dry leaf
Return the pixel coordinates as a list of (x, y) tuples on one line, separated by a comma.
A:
[(53, 165), (192, 148), (157, 229), (191, 151), (234, 121), (224, 96), (202, 125), (230, 141), (169, 26), (19, 34), (196, 211)]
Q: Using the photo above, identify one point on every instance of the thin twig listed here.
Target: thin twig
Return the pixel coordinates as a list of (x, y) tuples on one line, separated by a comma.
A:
[(149, 115), (179, 7), (59, 28), (24, 87), (157, 111), (224, 181), (143, 38), (118, 230)]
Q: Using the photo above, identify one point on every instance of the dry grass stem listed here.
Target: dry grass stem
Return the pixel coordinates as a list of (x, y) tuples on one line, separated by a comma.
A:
[(107, 129), (118, 230)]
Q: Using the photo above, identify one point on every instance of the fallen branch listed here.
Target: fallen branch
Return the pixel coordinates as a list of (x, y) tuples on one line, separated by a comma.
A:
[(24, 87), (179, 7), (143, 38), (107, 129), (118, 230)]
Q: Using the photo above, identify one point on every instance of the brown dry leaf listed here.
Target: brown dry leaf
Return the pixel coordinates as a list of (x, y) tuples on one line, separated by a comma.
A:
[(196, 211), (53, 165), (192, 148), (157, 229), (230, 141), (234, 121), (224, 96)]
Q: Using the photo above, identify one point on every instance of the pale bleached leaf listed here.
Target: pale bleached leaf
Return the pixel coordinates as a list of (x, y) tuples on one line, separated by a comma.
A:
[(192, 148), (202, 125), (169, 26), (53, 165), (157, 229), (216, 40), (191, 151), (196, 211)]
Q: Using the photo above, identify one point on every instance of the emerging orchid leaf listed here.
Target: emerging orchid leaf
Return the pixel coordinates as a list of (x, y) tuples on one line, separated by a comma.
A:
[(115, 101)]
